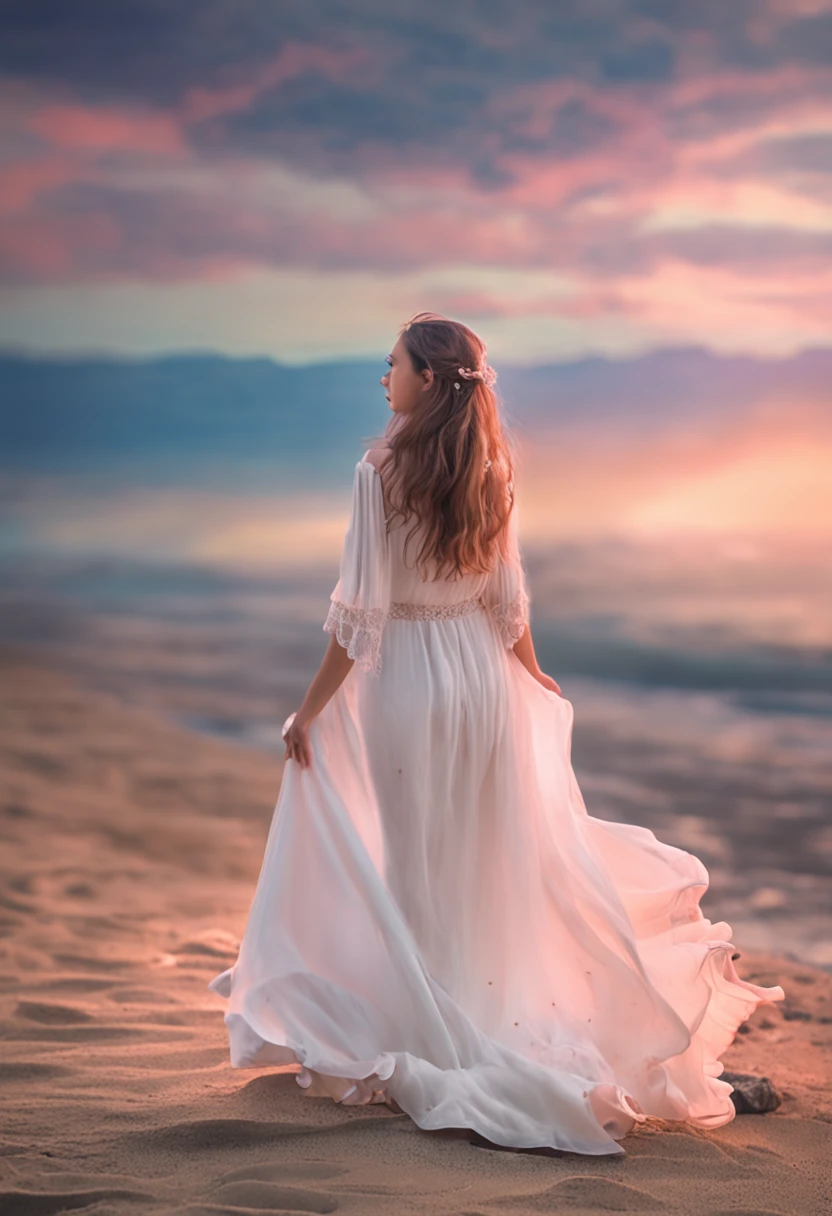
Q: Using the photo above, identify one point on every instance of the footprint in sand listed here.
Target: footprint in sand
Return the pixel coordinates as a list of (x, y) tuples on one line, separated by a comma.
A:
[(74, 984), (269, 1196), (206, 1134), (9, 904), (750, 1212), (48, 1203), (80, 962), (66, 1024), (98, 1034), (141, 996), (667, 1154), (31, 1070), (582, 1192), (80, 890), (213, 943), (52, 1015), (280, 1171)]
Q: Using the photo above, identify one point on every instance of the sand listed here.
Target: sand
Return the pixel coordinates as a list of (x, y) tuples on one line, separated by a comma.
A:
[(130, 849)]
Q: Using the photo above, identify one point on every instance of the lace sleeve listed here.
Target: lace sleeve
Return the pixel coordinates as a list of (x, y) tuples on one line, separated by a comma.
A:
[(360, 602), (512, 618), (359, 631), (506, 594)]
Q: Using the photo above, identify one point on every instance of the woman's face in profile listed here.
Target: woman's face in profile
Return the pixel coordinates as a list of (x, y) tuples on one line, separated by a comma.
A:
[(402, 384)]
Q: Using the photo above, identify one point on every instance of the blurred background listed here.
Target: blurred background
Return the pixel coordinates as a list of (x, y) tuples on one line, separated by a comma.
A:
[(215, 220)]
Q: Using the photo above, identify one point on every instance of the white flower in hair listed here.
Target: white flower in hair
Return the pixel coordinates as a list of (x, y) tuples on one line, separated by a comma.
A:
[(484, 373)]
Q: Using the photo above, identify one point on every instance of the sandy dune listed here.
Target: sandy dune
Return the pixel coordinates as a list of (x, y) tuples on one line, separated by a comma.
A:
[(130, 849)]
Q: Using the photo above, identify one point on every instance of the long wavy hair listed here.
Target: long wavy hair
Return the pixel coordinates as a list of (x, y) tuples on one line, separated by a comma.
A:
[(450, 462)]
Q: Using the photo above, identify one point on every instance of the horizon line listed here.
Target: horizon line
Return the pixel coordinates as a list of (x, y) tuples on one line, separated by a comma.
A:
[(28, 354)]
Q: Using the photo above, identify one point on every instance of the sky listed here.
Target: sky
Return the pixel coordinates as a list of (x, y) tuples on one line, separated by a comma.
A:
[(296, 179)]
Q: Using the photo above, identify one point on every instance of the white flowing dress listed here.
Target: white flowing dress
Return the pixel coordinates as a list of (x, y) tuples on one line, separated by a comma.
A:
[(438, 919)]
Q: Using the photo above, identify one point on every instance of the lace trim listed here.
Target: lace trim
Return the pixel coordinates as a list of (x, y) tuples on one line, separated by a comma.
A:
[(359, 631), (511, 618), (434, 612)]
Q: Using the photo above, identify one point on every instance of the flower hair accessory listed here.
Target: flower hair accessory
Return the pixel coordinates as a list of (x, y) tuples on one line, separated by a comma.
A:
[(484, 373)]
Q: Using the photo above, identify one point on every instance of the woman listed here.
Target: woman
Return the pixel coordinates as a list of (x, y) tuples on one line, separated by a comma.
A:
[(438, 922)]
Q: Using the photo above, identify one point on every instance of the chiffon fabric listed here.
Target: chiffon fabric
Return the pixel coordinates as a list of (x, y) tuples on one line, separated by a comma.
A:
[(439, 921)]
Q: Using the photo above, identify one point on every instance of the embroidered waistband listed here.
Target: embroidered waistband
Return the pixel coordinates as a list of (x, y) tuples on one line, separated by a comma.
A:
[(434, 612)]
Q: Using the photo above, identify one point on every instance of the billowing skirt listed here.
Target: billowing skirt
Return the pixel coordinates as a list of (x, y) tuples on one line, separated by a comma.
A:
[(438, 920)]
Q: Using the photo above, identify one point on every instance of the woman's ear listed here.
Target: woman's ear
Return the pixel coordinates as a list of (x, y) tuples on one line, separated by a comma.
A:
[(427, 375)]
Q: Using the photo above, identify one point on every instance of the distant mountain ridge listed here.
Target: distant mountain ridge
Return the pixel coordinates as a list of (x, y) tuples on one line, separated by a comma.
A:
[(66, 413)]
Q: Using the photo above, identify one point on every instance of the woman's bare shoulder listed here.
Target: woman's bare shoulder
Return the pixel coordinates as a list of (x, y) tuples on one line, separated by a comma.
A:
[(376, 457)]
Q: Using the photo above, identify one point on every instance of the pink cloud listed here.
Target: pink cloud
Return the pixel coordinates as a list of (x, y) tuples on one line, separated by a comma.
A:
[(30, 252), (100, 129), (583, 303), (294, 59), (35, 250), (21, 183)]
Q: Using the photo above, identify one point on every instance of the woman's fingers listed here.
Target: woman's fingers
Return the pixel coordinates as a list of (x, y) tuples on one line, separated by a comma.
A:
[(297, 747)]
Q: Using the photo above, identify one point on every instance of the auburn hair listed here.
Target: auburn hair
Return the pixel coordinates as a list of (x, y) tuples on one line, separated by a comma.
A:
[(450, 462)]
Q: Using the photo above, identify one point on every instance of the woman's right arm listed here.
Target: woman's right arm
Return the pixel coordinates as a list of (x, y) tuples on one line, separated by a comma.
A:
[(524, 649), (507, 598)]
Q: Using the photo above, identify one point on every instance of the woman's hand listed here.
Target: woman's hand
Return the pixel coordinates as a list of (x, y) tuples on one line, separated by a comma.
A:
[(334, 669), (296, 738), (548, 682)]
